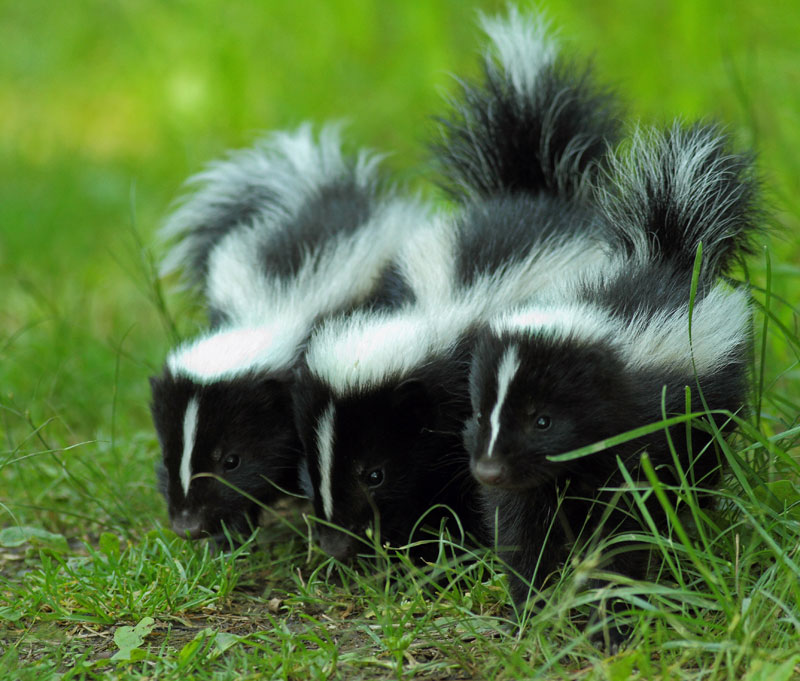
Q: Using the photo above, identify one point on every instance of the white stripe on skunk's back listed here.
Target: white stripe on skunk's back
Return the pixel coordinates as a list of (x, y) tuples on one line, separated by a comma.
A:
[(233, 352), (573, 320), (720, 325), (366, 349)]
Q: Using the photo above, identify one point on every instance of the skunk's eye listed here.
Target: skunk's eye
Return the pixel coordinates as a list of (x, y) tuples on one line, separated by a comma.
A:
[(374, 478), (543, 422), (231, 462), (478, 417)]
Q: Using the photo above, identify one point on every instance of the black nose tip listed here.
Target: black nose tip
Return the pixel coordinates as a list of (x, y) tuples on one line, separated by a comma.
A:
[(341, 546), (187, 525), (488, 472)]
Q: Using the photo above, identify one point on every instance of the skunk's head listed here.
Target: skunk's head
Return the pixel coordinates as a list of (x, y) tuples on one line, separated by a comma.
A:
[(366, 453), (381, 431), (552, 378), (222, 438), (538, 395)]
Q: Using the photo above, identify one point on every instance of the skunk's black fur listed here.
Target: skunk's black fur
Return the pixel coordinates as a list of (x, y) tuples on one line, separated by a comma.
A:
[(613, 354), (242, 440), (280, 236), (382, 397)]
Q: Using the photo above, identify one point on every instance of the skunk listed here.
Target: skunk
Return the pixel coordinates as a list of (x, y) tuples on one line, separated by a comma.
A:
[(381, 398), (380, 424), (615, 351), (279, 236)]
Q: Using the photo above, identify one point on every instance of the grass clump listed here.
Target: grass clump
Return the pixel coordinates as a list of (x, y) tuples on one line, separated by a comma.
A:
[(104, 583)]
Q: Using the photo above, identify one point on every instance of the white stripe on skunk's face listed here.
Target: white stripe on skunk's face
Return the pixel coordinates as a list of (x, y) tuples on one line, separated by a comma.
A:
[(509, 365), (325, 436), (189, 436)]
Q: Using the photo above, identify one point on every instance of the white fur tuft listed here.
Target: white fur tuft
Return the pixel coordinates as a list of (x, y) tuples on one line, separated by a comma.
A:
[(427, 262), (577, 321), (720, 324), (365, 349), (522, 45)]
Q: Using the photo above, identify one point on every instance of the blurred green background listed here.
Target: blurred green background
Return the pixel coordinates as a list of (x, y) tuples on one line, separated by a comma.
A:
[(106, 106)]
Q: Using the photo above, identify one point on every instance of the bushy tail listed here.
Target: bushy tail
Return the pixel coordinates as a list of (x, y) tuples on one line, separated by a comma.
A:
[(676, 188), (265, 185), (536, 124)]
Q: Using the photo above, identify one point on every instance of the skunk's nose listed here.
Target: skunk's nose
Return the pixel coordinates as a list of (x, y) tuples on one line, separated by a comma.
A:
[(488, 472), (337, 544), (187, 525)]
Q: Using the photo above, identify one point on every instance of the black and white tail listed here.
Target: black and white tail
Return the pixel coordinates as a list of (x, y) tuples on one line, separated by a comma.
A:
[(673, 189), (265, 185), (537, 122)]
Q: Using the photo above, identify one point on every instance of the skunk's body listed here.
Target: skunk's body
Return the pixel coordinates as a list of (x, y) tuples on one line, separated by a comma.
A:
[(382, 398), (614, 353), (279, 236)]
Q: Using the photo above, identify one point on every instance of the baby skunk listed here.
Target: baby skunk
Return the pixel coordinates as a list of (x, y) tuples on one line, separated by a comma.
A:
[(279, 236), (592, 362), (381, 398), (379, 417)]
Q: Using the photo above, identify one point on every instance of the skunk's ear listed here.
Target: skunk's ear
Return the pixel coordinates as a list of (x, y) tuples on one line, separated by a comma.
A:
[(411, 399), (299, 370), (273, 391), (275, 383), (598, 367), (409, 390)]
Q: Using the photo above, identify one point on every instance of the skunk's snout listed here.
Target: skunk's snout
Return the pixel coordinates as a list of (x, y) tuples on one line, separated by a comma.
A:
[(337, 544), (488, 472), (187, 525)]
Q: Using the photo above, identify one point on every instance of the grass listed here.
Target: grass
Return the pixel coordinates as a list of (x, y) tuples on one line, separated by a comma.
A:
[(105, 108)]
